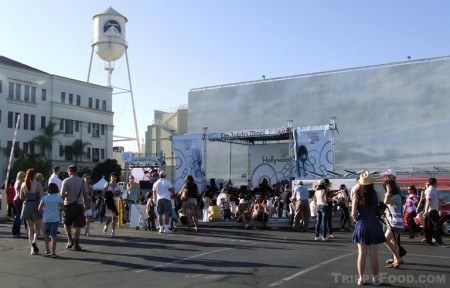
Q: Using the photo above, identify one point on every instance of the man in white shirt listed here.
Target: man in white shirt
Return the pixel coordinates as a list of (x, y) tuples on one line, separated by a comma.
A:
[(431, 213), (162, 192), (302, 209), (54, 178)]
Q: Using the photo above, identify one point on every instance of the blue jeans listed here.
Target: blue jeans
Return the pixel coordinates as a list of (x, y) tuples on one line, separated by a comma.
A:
[(322, 215)]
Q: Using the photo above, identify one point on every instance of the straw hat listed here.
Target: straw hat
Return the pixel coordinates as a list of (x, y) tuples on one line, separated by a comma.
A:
[(365, 178)]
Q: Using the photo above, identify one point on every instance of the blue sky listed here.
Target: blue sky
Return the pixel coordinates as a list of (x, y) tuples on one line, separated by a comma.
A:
[(177, 45)]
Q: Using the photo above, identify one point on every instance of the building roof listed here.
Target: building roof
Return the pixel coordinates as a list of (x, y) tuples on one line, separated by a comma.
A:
[(7, 61)]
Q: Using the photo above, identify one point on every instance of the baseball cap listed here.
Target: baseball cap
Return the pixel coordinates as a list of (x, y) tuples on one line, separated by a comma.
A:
[(390, 172)]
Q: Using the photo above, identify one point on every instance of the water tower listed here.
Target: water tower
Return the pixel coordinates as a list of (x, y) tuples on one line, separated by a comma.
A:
[(109, 44)]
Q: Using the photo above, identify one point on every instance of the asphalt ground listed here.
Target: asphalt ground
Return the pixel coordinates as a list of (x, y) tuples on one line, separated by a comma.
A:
[(219, 255)]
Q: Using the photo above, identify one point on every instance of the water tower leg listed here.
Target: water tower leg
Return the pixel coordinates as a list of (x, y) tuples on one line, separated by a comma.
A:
[(90, 64), (132, 102)]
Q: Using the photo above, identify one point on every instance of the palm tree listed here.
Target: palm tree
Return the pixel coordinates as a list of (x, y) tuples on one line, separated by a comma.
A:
[(78, 149), (45, 140)]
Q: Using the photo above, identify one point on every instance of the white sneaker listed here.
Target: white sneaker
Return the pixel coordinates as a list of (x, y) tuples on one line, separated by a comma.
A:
[(318, 238), (167, 231), (325, 238), (161, 229)]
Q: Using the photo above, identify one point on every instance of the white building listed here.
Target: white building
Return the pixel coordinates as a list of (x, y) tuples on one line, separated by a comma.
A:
[(81, 110), (392, 115)]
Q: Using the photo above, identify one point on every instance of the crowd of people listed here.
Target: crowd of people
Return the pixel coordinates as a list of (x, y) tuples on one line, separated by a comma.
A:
[(378, 218)]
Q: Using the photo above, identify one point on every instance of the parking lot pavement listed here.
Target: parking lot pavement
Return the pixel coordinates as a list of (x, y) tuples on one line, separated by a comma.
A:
[(216, 256)]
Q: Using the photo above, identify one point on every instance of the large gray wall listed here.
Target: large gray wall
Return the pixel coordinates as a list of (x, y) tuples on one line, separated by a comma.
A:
[(389, 116)]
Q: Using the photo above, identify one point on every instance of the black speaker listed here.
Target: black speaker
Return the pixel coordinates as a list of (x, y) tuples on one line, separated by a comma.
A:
[(243, 189), (145, 184), (212, 182)]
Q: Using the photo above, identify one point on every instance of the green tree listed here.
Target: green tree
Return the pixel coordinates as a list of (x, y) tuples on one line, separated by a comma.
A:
[(78, 149), (23, 162), (106, 168), (45, 141)]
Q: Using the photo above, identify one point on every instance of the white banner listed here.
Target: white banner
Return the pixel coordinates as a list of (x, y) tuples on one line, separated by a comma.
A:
[(188, 154), (270, 162), (313, 151)]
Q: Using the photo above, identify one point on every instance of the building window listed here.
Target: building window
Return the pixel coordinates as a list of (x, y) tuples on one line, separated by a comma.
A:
[(104, 105), (25, 148), (63, 97), (61, 124), (31, 148), (89, 128), (77, 126), (90, 102), (61, 150), (78, 100), (18, 88), (44, 94), (71, 99), (95, 155), (32, 122), (0, 122), (103, 129), (25, 121), (1, 86), (97, 104), (26, 96), (10, 119), (95, 130), (42, 122), (15, 121), (68, 153), (11, 91), (102, 153), (69, 127), (33, 94), (88, 153)]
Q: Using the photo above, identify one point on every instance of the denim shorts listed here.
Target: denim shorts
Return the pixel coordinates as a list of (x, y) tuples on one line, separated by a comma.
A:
[(51, 229)]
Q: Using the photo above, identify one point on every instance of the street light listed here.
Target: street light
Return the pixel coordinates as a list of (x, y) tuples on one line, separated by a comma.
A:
[(172, 132), (333, 127), (205, 136), (290, 126)]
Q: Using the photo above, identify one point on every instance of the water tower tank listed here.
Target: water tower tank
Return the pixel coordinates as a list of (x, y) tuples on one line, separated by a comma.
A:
[(109, 34)]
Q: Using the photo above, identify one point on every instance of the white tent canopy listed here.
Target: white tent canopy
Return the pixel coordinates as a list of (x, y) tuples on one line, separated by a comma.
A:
[(100, 184)]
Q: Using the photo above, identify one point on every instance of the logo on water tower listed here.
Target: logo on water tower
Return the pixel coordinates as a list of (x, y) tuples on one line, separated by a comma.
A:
[(112, 28)]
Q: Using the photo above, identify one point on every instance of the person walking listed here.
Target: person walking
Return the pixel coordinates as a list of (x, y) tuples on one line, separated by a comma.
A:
[(302, 208), (322, 212), (133, 191), (189, 204), (343, 201), (431, 213), (410, 207), (74, 193), (163, 191), (110, 192), (368, 233), (54, 178), (88, 205), (10, 195), (394, 219), (50, 206), (31, 193), (18, 203)]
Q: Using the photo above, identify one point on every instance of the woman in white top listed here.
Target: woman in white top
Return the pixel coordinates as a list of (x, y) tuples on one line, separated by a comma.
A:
[(322, 211), (111, 192)]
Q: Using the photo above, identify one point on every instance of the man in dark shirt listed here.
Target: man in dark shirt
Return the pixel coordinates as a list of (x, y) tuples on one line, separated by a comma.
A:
[(286, 199)]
